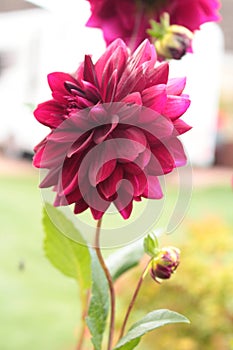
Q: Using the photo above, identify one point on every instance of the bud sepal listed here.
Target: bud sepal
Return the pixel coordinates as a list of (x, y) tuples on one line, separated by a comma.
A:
[(151, 245)]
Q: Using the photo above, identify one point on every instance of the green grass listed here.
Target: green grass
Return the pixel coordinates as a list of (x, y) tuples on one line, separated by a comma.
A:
[(39, 307)]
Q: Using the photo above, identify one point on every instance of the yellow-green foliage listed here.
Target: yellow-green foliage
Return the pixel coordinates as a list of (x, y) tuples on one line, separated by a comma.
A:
[(202, 290)]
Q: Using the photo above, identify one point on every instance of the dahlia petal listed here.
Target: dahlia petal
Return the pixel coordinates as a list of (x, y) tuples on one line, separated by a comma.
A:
[(93, 21), (129, 82), (38, 156), (129, 143), (83, 102), (109, 186), (147, 115), (69, 176), (91, 92), (162, 127), (78, 122), (157, 126), (80, 206), (133, 168), (111, 86), (98, 114), (155, 97), (73, 89), (51, 178), (134, 134), (64, 200), (153, 189), (59, 135), (194, 14), (81, 144), (138, 181), (106, 170), (102, 164), (56, 81), (175, 86), (162, 162), (119, 59), (50, 113), (125, 211), (123, 13), (144, 53), (102, 133), (57, 201), (123, 202), (177, 150), (176, 106), (159, 75), (100, 66), (97, 214), (144, 158), (111, 28), (52, 155), (41, 144), (89, 73), (129, 113), (180, 127), (61, 98), (97, 205), (72, 197), (135, 97)]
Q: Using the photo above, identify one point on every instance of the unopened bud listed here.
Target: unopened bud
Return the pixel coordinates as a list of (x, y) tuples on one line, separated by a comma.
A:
[(175, 43), (171, 41), (165, 264)]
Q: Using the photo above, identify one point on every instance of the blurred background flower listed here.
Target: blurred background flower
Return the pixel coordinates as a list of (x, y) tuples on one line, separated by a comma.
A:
[(130, 19)]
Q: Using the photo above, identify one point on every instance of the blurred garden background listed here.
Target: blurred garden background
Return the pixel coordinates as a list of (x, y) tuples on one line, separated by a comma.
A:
[(39, 307)]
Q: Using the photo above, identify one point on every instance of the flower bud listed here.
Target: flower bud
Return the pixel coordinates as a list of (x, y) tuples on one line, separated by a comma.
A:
[(165, 264), (175, 43), (171, 41)]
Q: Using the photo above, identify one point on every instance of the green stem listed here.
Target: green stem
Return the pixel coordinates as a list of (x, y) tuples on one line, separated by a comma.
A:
[(110, 284), (134, 299)]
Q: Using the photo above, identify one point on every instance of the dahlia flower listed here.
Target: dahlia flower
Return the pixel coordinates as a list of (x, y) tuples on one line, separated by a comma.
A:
[(129, 19), (114, 130)]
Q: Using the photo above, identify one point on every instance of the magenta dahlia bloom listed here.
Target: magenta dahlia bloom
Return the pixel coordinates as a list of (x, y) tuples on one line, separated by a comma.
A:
[(114, 130), (129, 19)]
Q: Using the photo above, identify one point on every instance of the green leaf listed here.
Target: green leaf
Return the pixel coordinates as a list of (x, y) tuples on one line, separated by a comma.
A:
[(124, 259), (151, 321), (68, 256), (98, 309)]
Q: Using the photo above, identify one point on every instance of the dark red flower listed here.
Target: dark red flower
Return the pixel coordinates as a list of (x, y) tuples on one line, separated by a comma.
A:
[(114, 129), (129, 19)]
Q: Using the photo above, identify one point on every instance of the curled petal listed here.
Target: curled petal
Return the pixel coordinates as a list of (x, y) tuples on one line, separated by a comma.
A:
[(153, 189), (175, 86), (50, 113), (56, 81), (176, 106)]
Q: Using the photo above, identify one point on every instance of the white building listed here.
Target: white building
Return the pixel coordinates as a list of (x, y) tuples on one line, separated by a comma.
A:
[(53, 37)]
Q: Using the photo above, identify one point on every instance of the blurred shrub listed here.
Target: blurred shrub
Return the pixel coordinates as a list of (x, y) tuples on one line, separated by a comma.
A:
[(202, 290)]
